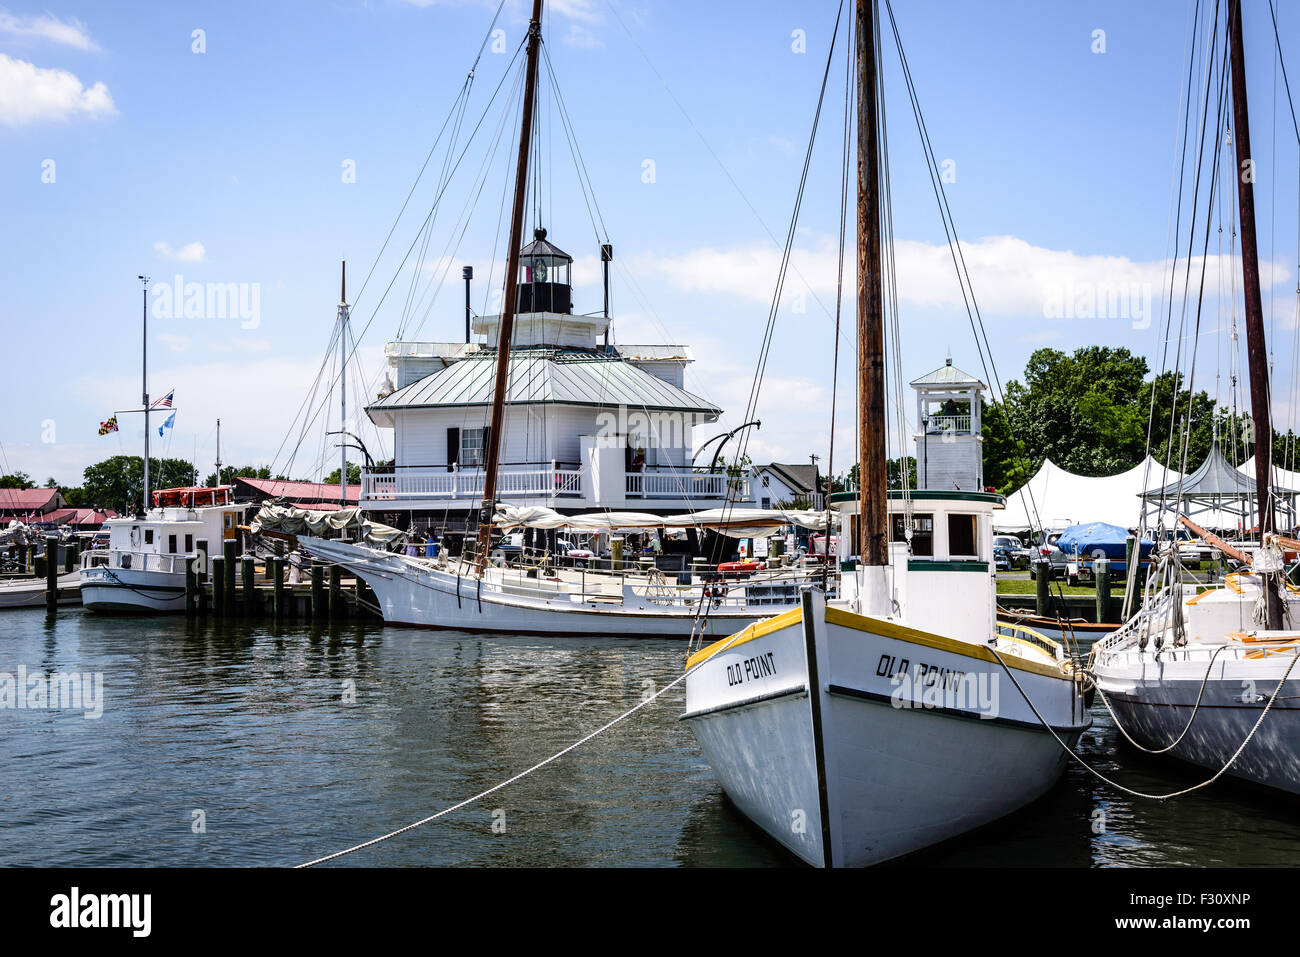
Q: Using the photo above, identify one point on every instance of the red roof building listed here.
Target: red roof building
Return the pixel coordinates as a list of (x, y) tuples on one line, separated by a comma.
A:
[(79, 517), (302, 494), (30, 503)]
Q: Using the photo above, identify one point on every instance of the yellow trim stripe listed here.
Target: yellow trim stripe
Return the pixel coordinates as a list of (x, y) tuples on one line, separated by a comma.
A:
[(757, 630), (874, 626)]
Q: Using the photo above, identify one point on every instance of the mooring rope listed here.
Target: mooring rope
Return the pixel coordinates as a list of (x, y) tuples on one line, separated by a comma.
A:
[(522, 774), (1195, 709), (1119, 787)]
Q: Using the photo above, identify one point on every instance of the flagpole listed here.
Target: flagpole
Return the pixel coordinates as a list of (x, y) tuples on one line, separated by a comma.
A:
[(144, 379)]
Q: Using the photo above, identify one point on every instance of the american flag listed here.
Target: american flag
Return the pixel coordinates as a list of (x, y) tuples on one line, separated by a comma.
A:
[(165, 402)]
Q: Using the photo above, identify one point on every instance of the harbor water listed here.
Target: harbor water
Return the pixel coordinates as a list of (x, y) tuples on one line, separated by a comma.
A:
[(240, 743)]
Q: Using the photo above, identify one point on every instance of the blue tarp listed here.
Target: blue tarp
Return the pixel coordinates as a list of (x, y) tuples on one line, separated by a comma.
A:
[(1091, 538)]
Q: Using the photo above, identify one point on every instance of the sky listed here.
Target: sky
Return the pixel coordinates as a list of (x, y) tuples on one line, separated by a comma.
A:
[(252, 146)]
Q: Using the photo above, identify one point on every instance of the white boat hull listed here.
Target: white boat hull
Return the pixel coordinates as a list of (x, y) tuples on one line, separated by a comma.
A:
[(897, 777), (132, 590), (413, 593), (1154, 697), (30, 593)]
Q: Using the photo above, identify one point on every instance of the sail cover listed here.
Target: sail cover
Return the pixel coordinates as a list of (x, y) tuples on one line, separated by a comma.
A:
[(737, 522), (281, 518)]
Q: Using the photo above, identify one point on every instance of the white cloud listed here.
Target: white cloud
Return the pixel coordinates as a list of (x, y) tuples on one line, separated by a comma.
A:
[(581, 38), (47, 26), (1011, 276), (189, 253), (29, 93), (174, 342)]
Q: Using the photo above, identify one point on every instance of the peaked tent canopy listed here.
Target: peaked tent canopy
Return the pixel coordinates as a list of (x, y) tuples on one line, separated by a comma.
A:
[(1219, 496), (1055, 498)]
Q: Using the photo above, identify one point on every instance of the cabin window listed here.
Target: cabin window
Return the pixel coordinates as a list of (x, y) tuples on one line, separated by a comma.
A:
[(148, 536), (961, 536), (189, 544), (922, 532), (230, 520), (472, 446), (171, 544)]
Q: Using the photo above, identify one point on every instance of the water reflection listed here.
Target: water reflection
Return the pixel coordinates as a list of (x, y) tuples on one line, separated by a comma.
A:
[(294, 741)]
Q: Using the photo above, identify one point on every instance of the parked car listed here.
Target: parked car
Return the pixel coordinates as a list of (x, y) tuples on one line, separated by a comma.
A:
[(1009, 553)]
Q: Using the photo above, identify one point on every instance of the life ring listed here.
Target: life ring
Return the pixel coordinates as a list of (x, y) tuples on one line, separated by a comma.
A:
[(135, 537)]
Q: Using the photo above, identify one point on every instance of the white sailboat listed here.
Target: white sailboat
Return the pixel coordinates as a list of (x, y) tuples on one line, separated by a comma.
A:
[(1208, 675), (472, 594), (858, 730)]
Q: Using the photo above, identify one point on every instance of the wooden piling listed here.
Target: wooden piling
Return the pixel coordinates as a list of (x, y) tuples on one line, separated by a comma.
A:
[(191, 588), (1043, 588), (1101, 572), (318, 611), (51, 573), (337, 609), (248, 575), (218, 583), (230, 547), (276, 565)]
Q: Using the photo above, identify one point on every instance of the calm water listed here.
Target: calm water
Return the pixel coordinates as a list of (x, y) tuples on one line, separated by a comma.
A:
[(256, 729)]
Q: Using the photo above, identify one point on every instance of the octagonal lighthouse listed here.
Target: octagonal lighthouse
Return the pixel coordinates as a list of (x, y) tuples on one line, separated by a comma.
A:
[(589, 424)]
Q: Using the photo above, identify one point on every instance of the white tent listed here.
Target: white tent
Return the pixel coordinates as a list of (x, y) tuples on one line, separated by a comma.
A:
[(1055, 498)]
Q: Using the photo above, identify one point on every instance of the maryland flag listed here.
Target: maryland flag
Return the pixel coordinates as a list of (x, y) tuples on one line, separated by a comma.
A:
[(109, 426)]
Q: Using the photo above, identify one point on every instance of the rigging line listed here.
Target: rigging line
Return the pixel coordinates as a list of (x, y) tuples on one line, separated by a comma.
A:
[(411, 248), (432, 290), (726, 172), (429, 156), (1172, 241), (846, 152), (1191, 239), (1282, 62), (566, 123)]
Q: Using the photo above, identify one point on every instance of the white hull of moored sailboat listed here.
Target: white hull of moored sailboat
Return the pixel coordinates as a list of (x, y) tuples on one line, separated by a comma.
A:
[(921, 738), (1154, 697), (414, 592)]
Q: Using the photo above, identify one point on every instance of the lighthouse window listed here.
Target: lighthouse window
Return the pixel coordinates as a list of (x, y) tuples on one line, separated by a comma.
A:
[(961, 536)]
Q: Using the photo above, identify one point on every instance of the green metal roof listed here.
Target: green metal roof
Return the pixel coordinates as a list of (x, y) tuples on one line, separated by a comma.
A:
[(546, 377), (948, 374)]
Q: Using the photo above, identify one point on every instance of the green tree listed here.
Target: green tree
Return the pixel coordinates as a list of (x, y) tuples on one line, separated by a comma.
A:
[(354, 475), (118, 482), (17, 480)]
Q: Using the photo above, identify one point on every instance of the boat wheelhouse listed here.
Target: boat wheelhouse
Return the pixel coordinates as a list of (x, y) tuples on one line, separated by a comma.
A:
[(143, 567)]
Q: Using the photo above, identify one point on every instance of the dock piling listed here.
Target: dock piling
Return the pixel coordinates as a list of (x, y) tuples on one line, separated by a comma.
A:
[(1101, 572), (191, 588), (218, 589), (337, 609), (276, 565), (51, 573), (317, 592), (248, 575), (230, 547), (1043, 587)]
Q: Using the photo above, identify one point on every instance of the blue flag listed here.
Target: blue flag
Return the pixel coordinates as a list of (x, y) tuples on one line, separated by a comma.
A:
[(171, 421)]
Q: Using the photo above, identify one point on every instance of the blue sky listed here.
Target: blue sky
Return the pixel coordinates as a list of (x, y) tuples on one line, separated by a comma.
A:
[(227, 166)]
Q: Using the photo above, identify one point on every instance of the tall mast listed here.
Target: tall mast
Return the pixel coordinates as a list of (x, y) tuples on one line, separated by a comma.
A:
[(1256, 350), (506, 329), (144, 377), (873, 541), (218, 482), (343, 385)]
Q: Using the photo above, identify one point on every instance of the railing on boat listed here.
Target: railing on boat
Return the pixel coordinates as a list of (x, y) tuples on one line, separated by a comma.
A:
[(118, 559)]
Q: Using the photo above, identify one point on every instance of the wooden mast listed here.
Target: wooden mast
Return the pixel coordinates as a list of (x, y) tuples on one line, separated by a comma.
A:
[(873, 525), (1256, 349), (506, 329)]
